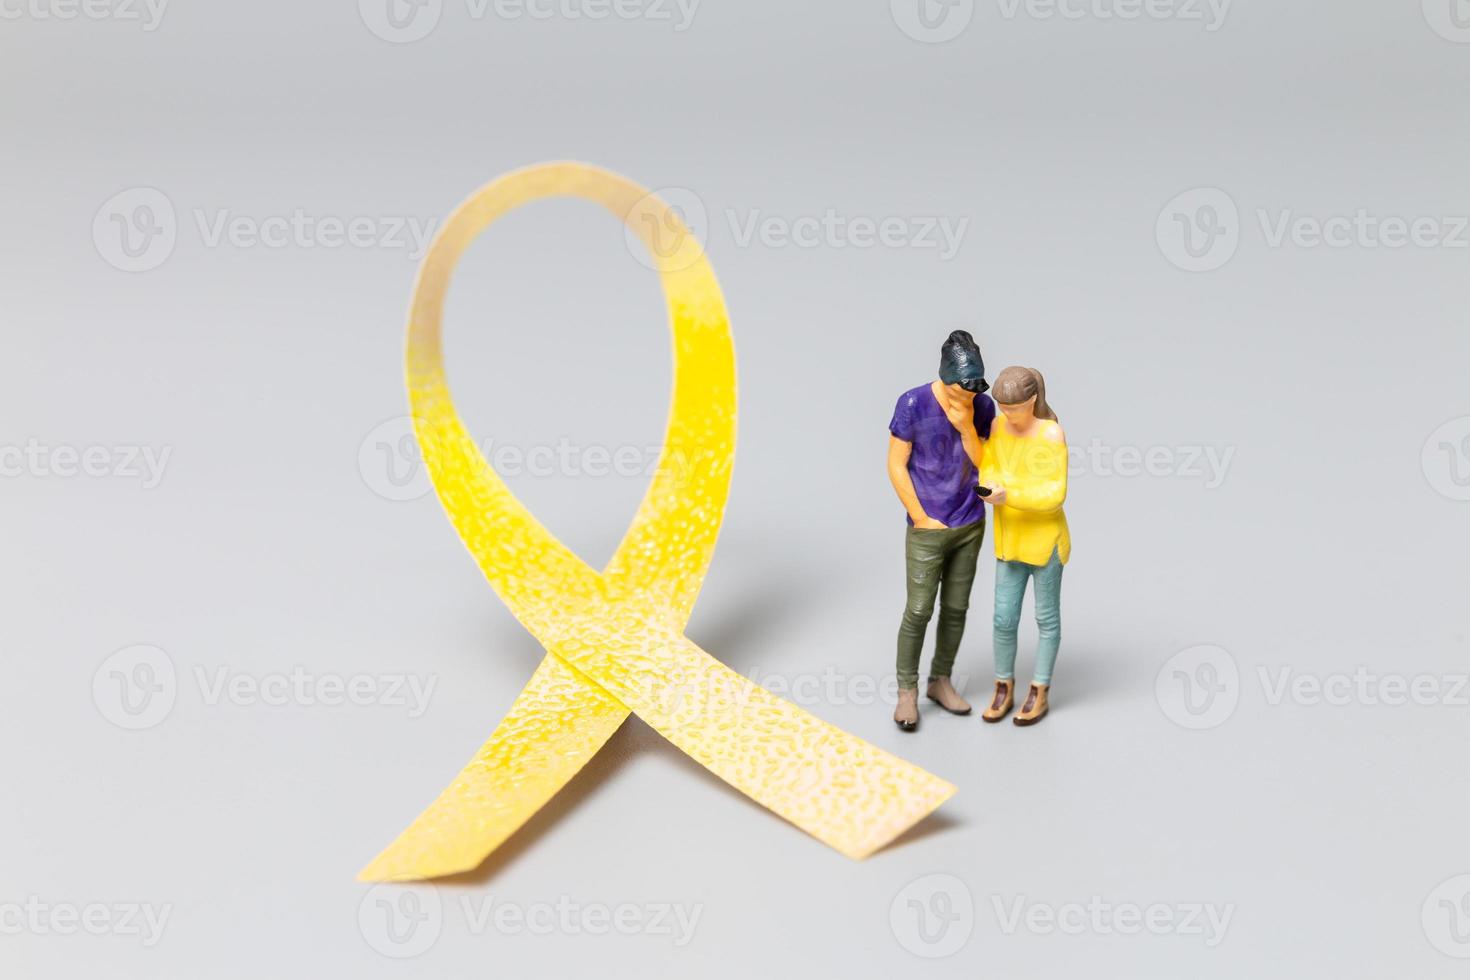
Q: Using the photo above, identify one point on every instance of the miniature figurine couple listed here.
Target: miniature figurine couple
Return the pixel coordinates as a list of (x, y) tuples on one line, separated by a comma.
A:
[(949, 457)]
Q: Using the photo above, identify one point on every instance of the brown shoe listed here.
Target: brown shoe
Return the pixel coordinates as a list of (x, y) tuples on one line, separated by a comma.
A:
[(1035, 707), (1001, 704), (906, 715), (942, 693)]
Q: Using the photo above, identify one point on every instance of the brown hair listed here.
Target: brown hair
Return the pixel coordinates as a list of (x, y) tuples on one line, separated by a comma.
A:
[(1016, 384)]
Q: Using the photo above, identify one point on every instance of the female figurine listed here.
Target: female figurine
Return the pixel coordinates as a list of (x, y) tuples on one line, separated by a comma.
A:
[(1025, 467)]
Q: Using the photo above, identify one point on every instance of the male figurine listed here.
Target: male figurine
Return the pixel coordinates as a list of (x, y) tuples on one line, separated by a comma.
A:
[(936, 439)]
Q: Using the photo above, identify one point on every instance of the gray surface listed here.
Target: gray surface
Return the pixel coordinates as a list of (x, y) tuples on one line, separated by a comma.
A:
[(1331, 833)]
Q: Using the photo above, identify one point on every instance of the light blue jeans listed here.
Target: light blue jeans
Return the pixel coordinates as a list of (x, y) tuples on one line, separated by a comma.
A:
[(1010, 591)]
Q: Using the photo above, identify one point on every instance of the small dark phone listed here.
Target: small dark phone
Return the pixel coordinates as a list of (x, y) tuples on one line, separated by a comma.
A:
[(982, 491)]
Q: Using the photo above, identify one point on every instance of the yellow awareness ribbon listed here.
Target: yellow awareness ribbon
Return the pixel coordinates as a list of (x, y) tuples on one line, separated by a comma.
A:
[(615, 641)]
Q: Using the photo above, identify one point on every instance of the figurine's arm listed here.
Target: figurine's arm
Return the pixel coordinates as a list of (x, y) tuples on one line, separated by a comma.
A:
[(974, 445), (898, 474)]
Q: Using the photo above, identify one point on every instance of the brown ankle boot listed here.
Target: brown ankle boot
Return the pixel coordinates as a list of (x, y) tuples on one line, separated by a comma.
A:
[(906, 715), (1035, 707), (1001, 704), (942, 692)]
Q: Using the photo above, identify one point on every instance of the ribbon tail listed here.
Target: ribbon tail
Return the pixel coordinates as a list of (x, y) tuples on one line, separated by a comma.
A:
[(843, 791), (556, 725)]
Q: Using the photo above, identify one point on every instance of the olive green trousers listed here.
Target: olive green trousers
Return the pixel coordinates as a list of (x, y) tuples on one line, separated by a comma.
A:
[(941, 563)]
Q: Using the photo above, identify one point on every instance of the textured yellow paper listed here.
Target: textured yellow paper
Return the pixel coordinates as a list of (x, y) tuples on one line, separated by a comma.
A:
[(615, 641)]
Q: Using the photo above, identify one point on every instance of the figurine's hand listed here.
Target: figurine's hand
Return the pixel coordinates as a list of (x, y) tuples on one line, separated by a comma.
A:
[(930, 524), (962, 415), (997, 496)]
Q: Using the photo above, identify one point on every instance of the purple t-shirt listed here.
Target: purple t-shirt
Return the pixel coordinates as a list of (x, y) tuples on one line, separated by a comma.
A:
[(944, 477)]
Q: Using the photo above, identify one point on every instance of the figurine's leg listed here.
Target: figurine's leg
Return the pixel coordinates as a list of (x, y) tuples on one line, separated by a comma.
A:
[(1010, 591), (1048, 617), (956, 580), (924, 557)]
